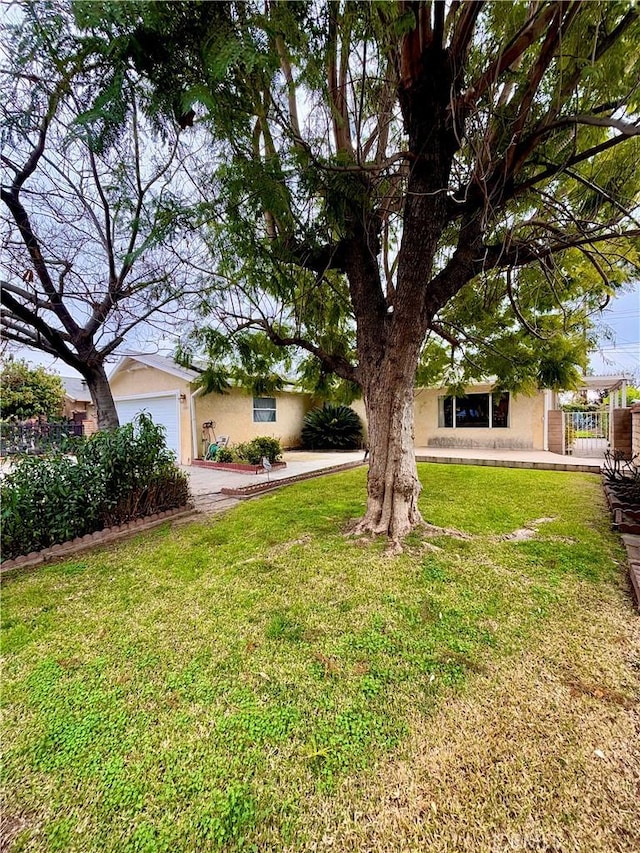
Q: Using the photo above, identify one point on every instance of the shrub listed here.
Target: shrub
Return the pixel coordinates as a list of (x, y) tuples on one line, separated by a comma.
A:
[(166, 489), (115, 477), (224, 454), (48, 499), (264, 445), (332, 428)]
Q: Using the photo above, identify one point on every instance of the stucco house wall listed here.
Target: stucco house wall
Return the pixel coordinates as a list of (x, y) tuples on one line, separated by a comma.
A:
[(134, 380), (359, 409), (233, 416), (525, 430)]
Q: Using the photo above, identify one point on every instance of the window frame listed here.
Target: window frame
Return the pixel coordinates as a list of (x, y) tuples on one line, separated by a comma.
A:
[(272, 409), (493, 401)]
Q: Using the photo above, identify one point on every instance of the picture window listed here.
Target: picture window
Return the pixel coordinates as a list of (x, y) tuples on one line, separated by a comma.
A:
[(474, 411)]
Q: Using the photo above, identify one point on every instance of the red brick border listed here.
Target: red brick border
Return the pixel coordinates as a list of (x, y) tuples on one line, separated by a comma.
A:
[(236, 467)]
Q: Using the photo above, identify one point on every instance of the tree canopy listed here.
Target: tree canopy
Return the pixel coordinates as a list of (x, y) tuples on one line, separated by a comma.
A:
[(318, 114)]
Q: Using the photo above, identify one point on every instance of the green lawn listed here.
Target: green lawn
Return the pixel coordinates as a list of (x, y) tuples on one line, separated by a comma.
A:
[(255, 681)]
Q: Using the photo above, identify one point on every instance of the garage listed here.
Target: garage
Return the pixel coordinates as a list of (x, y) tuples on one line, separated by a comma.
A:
[(164, 410)]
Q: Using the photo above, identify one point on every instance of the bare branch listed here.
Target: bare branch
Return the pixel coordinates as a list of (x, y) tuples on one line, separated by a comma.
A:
[(523, 39)]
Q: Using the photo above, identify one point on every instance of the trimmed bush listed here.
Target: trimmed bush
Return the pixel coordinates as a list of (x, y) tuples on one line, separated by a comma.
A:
[(332, 428), (253, 451), (114, 477), (224, 454)]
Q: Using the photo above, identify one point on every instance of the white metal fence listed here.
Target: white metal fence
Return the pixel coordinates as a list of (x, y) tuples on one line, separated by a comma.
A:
[(586, 433)]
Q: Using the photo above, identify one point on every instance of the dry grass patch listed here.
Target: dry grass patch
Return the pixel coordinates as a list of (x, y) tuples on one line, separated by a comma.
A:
[(542, 754)]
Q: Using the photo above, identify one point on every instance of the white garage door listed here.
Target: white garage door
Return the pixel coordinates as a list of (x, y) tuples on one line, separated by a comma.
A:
[(164, 411)]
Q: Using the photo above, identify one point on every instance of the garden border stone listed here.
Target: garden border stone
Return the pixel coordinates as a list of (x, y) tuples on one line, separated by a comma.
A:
[(631, 543), (93, 540), (237, 467), (626, 523)]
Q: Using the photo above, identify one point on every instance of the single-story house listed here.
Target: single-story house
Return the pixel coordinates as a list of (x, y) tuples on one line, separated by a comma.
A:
[(481, 417), (156, 384), (78, 406)]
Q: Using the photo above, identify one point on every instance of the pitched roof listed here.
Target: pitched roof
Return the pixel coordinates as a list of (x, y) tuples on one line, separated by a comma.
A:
[(159, 362), (75, 388)]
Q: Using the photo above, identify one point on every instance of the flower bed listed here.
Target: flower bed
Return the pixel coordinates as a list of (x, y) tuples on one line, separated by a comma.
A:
[(622, 490), (239, 467)]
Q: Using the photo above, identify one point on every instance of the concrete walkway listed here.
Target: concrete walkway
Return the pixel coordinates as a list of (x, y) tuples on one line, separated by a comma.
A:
[(207, 483)]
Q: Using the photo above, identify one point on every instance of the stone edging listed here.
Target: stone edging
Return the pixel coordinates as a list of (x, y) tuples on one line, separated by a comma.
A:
[(260, 488), (586, 468), (632, 546), (625, 520), (91, 540), (236, 467)]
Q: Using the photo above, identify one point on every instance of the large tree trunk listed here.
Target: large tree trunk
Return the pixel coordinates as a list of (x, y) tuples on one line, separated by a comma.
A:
[(393, 486), (392, 321), (100, 390)]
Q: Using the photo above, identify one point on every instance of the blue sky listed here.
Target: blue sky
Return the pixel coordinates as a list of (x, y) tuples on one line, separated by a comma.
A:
[(621, 352)]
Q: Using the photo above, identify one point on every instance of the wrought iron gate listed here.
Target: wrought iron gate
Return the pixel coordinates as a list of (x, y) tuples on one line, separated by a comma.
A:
[(586, 433)]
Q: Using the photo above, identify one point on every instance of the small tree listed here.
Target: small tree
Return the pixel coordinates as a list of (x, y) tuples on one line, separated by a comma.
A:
[(28, 392)]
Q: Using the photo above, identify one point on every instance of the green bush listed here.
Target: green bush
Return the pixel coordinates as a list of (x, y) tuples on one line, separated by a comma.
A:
[(115, 477), (224, 454), (332, 428), (253, 451)]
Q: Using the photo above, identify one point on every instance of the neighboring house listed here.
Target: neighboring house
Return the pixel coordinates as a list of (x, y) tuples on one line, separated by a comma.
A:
[(78, 406), (155, 384)]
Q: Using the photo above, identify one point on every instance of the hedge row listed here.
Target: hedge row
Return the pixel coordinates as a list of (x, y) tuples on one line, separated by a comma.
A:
[(107, 479)]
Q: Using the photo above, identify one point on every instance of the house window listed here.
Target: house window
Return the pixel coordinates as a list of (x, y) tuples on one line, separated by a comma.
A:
[(264, 410), (490, 411)]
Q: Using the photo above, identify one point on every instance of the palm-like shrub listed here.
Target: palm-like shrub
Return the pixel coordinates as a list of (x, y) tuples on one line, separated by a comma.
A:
[(332, 428)]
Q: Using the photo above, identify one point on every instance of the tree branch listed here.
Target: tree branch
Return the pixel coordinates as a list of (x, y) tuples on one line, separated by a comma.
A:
[(336, 363), (54, 339), (524, 38)]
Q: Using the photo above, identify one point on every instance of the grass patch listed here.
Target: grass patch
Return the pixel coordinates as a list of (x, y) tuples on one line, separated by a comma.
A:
[(238, 684)]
